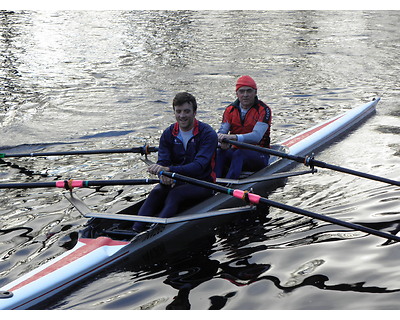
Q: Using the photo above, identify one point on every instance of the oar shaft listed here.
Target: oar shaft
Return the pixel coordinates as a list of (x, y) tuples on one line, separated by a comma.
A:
[(321, 164), (27, 185), (129, 182), (330, 219), (254, 198), (69, 184), (141, 150), (309, 161)]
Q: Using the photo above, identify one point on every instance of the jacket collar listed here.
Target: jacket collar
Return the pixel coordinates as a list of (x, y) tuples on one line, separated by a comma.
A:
[(175, 130)]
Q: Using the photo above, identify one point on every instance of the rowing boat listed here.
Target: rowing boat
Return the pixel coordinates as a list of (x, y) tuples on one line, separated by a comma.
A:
[(107, 238)]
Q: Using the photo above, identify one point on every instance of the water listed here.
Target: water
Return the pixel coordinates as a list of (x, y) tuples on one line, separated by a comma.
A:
[(80, 80)]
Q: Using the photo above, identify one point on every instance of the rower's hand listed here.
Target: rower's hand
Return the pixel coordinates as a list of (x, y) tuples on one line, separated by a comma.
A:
[(156, 169), (222, 136)]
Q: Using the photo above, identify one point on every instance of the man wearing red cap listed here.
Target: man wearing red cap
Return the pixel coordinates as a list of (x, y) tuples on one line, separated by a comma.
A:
[(246, 120)]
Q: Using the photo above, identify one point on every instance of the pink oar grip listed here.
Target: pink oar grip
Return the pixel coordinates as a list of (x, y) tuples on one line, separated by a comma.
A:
[(72, 184), (77, 183), (60, 184), (253, 198)]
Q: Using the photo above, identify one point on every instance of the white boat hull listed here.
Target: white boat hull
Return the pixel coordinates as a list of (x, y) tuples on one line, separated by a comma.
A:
[(89, 256)]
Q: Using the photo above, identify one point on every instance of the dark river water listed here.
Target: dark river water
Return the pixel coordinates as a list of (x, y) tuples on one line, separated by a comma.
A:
[(81, 80)]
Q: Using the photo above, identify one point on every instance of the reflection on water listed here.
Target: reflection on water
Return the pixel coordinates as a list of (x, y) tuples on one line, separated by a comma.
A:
[(86, 80), (75, 66), (389, 129)]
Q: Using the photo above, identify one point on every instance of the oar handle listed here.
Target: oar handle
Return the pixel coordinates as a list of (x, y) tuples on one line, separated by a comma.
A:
[(265, 150)]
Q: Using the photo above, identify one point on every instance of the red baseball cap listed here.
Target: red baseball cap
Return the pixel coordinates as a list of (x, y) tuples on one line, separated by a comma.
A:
[(246, 81)]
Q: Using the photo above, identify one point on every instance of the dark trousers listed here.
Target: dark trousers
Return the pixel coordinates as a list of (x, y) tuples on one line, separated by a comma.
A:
[(238, 160), (165, 201)]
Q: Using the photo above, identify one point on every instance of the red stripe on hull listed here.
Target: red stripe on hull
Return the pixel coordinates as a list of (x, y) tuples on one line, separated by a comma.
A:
[(301, 137), (90, 245), (56, 289)]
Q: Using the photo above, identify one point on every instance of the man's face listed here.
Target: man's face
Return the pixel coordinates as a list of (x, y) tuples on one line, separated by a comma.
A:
[(246, 96), (185, 115)]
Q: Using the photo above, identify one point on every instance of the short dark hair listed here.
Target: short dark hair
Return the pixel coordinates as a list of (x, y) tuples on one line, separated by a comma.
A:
[(183, 97)]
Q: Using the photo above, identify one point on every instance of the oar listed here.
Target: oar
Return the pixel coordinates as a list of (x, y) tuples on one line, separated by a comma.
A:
[(142, 150), (274, 176), (311, 162), (256, 199), (70, 184), (250, 179)]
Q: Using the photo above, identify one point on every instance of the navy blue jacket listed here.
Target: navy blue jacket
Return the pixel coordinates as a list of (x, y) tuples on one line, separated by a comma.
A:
[(198, 160)]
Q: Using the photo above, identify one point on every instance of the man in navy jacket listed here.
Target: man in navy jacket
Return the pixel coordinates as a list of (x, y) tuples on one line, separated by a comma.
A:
[(186, 147)]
